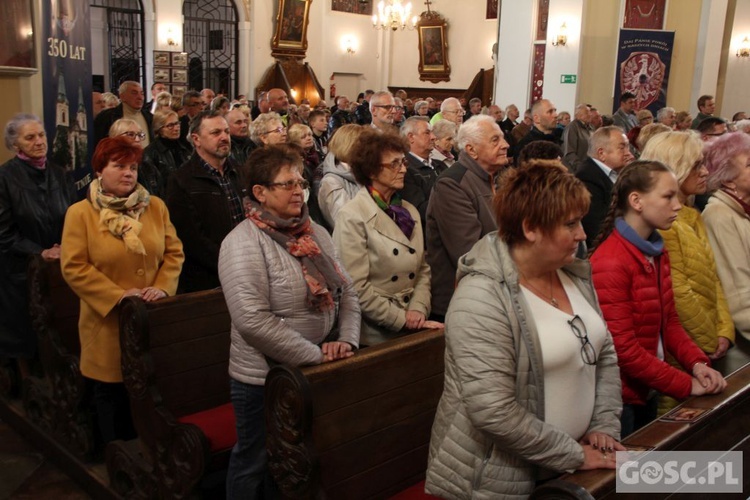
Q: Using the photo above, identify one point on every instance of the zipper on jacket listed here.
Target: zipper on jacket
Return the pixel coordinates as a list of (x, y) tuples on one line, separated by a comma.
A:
[(478, 477)]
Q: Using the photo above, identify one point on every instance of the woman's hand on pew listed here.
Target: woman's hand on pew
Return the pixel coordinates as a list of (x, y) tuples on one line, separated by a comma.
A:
[(151, 294), (414, 320), (706, 380), (599, 451), (721, 349), (433, 325), (336, 350)]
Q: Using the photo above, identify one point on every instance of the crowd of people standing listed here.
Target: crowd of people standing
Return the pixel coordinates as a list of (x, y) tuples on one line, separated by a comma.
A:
[(581, 285)]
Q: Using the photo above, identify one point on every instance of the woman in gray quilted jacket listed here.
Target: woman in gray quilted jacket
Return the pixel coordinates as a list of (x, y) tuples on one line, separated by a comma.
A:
[(285, 290), (532, 387)]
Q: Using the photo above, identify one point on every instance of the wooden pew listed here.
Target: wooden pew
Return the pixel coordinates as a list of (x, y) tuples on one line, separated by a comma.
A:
[(725, 426), (55, 403), (175, 356), (357, 428)]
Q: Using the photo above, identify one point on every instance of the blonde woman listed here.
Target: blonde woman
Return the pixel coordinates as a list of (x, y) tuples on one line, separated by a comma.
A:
[(338, 184)]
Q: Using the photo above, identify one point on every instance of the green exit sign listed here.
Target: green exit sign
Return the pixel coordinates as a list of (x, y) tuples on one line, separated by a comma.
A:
[(568, 78)]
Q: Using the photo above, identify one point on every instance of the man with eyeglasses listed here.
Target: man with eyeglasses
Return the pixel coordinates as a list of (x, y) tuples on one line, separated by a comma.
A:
[(712, 127), (382, 109), (131, 104), (204, 197), (460, 211), (193, 105), (450, 110)]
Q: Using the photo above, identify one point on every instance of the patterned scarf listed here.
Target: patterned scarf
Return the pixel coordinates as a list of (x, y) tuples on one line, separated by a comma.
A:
[(395, 211), (322, 274), (120, 215)]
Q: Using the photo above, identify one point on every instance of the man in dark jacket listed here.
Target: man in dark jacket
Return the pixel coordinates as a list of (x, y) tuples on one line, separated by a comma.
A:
[(460, 210), (364, 117), (204, 198), (342, 116), (609, 152), (242, 145), (544, 128), (422, 171)]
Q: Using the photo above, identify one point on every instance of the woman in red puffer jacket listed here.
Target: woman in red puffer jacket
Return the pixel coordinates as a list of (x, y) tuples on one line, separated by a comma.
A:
[(632, 278)]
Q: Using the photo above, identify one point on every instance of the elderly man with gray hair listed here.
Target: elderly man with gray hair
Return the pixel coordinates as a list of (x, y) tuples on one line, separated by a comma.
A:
[(422, 171), (131, 104), (576, 138), (609, 152), (450, 110), (460, 212)]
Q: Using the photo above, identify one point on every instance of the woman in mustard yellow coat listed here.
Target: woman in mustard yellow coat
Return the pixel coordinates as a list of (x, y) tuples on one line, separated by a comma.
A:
[(118, 242)]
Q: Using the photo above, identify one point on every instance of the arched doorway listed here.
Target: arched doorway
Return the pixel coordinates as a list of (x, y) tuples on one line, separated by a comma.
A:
[(211, 42), (122, 56)]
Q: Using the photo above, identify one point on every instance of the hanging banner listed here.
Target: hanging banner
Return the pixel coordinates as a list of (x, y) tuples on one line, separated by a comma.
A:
[(66, 74), (643, 61)]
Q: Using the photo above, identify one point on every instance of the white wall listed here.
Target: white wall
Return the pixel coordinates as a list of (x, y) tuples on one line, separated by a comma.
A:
[(514, 54), (563, 60), (736, 96), (707, 57)]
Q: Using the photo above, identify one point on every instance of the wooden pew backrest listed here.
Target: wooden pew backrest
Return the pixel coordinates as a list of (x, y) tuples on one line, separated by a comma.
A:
[(357, 428)]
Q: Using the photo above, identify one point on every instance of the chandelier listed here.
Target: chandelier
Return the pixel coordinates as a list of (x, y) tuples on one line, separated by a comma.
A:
[(394, 16)]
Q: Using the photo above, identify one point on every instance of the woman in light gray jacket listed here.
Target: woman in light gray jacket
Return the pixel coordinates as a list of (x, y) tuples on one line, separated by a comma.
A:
[(532, 386), (338, 184), (285, 289)]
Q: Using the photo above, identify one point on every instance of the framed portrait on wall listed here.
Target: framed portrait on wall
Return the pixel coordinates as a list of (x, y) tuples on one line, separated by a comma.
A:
[(491, 9), (353, 6), (179, 75), (433, 49), (17, 48), (179, 59), (290, 38), (161, 58), (161, 75)]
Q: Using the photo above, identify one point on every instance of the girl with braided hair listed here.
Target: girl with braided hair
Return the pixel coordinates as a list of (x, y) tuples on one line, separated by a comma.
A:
[(632, 278)]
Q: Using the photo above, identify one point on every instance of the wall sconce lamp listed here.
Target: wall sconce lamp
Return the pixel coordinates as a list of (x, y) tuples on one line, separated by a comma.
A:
[(170, 38), (348, 45), (744, 50), (562, 36)]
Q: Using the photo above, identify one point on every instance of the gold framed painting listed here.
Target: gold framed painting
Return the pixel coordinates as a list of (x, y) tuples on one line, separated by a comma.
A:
[(17, 46), (433, 48), (290, 38)]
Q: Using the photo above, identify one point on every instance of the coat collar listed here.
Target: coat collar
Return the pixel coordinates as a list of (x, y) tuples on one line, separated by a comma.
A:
[(375, 217)]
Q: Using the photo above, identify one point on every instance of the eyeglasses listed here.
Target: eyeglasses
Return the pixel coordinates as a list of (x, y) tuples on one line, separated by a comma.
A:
[(279, 130), (171, 125), (588, 353), (289, 185), (459, 112), (387, 107), (138, 136), (396, 164)]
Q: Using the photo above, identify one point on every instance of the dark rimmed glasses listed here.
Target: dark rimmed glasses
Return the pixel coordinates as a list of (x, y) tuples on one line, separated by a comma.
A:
[(397, 164), (588, 353), (289, 185)]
